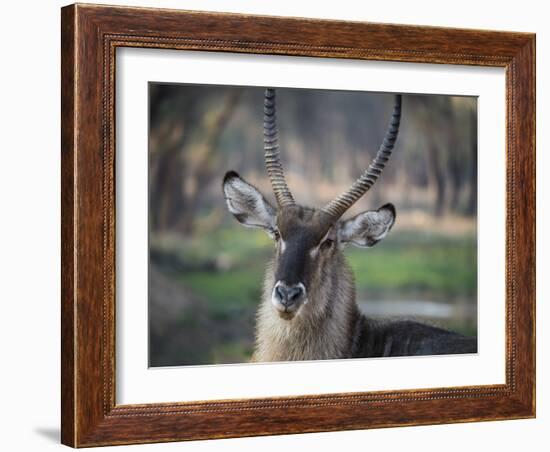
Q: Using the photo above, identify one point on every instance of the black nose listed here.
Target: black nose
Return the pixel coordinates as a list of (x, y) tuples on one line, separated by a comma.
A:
[(288, 295)]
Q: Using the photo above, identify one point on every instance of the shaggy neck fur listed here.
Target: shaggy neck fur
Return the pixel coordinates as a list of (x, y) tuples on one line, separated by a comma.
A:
[(323, 328)]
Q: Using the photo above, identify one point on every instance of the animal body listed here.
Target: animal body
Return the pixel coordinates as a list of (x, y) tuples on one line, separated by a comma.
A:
[(308, 309)]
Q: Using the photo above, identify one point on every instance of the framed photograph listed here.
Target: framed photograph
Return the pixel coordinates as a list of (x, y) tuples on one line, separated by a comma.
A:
[(282, 225)]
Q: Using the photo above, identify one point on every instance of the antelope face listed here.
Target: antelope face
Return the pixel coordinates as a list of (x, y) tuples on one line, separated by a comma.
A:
[(306, 240)]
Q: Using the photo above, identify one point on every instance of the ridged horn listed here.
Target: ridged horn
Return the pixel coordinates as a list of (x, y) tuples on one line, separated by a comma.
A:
[(338, 206), (271, 149)]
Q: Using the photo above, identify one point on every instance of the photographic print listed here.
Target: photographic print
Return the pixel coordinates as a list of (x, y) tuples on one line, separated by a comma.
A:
[(298, 224), (326, 228)]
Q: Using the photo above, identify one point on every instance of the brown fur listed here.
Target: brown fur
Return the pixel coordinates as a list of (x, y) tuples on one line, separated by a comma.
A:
[(323, 327)]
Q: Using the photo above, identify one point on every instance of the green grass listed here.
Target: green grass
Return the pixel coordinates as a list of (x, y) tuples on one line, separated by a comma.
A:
[(223, 290), (237, 243), (417, 262)]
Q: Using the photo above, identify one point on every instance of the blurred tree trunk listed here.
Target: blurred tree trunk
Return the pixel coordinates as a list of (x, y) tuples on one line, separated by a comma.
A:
[(455, 159), (438, 175), (184, 140), (203, 163), (455, 181), (471, 206)]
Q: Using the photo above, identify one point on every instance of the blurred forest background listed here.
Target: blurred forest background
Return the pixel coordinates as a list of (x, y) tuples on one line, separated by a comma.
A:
[(206, 270)]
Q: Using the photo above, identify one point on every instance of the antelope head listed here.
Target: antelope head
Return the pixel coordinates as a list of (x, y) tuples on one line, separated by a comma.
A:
[(308, 239)]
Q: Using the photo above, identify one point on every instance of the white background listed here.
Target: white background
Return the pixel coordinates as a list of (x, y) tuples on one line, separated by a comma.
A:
[(29, 264)]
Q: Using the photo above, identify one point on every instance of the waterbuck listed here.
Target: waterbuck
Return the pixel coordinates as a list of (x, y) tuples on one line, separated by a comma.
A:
[(308, 309)]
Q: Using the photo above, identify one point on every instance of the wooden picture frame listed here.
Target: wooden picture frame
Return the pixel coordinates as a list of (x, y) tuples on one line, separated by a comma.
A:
[(90, 36)]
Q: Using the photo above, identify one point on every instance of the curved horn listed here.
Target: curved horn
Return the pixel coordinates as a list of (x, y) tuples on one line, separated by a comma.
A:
[(271, 148), (338, 206)]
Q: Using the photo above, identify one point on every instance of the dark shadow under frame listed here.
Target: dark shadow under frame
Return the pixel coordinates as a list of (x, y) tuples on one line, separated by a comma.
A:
[(90, 36)]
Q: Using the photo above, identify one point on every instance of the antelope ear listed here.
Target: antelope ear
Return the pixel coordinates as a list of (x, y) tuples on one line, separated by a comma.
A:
[(367, 228), (247, 204)]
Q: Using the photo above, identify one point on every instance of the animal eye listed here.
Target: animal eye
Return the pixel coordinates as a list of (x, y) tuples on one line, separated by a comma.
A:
[(276, 234), (327, 244)]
